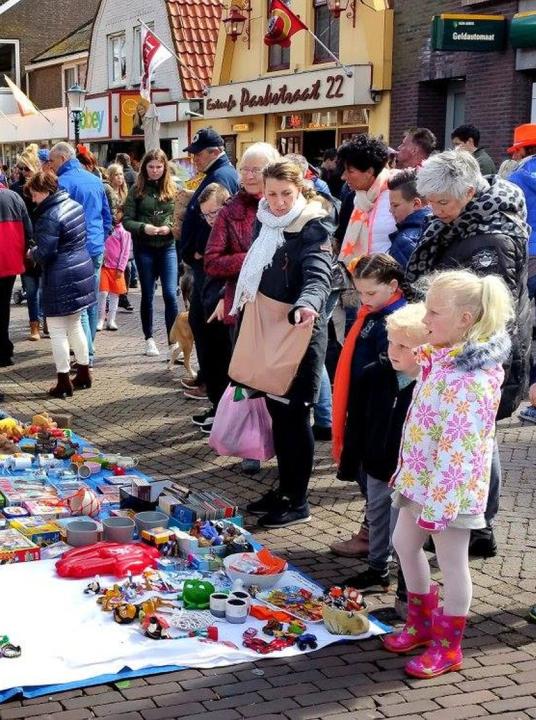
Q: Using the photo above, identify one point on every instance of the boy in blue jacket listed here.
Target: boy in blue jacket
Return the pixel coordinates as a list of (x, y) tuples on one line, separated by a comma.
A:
[(410, 212)]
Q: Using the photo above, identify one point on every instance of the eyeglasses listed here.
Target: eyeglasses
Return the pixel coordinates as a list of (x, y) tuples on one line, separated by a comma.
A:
[(212, 215), (251, 171)]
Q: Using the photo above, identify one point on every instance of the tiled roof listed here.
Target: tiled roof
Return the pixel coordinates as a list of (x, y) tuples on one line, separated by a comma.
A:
[(77, 41), (195, 26)]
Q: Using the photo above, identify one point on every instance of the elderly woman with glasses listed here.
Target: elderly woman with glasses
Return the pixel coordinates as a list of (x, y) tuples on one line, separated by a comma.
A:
[(479, 225)]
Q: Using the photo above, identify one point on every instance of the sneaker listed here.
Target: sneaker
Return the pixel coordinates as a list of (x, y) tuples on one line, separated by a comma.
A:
[(150, 348), (528, 414), (369, 580), (268, 502), (100, 325), (204, 418), (207, 427), (124, 304), (532, 614), (322, 434), (133, 284), (250, 467), (111, 325), (285, 516), (188, 383), (197, 393)]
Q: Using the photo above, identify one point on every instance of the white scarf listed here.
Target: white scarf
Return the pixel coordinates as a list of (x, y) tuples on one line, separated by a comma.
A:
[(262, 251)]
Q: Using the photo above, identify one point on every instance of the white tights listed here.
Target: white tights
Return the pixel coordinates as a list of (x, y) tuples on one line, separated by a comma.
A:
[(113, 303), (452, 546), (66, 332)]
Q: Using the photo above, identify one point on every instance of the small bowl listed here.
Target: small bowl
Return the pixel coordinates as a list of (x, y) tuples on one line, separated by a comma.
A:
[(118, 529), (261, 581), (82, 532), (150, 519)]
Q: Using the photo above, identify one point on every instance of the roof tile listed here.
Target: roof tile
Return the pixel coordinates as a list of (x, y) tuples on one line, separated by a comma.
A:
[(194, 25)]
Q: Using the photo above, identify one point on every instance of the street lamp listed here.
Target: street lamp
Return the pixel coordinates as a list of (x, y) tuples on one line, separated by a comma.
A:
[(76, 96), (337, 7), (238, 18)]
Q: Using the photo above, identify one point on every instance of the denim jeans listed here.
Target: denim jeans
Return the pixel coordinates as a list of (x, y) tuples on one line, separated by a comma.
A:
[(381, 517), (31, 285), (154, 263), (90, 316), (323, 406)]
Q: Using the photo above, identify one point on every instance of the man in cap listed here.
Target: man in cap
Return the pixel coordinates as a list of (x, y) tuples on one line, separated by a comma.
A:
[(209, 157)]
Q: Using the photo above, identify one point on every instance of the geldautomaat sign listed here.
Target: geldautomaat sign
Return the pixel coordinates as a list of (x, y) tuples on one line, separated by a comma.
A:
[(473, 33)]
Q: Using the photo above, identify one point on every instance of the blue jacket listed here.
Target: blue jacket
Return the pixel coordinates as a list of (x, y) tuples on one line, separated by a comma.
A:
[(525, 177), (372, 341), (407, 235), (195, 230), (68, 272), (88, 190)]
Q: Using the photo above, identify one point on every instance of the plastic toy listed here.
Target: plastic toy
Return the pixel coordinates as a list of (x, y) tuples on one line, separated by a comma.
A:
[(308, 640), (83, 502), (11, 428), (196, 594), (106, 558), (297, 601), (179, 625), (272, 626), (94, 587), (7, 649)]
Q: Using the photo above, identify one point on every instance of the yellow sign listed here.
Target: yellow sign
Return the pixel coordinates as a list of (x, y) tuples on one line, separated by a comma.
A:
[(241, 127), (132, 109)]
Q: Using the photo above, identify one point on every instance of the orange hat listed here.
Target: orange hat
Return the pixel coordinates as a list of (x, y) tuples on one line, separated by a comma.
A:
[(524, 136)]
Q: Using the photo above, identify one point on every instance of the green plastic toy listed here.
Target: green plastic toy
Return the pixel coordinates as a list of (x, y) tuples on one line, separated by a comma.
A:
[(196, 594)]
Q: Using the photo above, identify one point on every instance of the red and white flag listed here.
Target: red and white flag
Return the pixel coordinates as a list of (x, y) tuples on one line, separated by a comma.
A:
[(24, 104), (283, 24), (154, 53)]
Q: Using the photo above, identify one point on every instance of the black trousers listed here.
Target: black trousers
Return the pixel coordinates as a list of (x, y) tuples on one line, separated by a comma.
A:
[(294, 447), (197, 320), (6, 290), (218, 349)]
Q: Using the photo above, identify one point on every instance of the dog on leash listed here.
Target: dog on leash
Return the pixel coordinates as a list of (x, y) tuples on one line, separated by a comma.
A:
[(181, 340)]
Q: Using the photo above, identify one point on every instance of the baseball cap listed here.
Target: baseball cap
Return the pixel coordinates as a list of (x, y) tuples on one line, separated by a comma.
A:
[(203, 139)]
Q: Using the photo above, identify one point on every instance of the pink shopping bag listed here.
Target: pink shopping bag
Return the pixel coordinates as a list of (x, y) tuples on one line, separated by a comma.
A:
[(242, 428)]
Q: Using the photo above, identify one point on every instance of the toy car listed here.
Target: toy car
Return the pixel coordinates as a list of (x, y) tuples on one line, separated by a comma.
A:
[(308, 640), (272, 627), (257, 645)]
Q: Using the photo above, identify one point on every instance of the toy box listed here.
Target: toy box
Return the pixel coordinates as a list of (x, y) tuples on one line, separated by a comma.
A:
[(39, 530), (46, 510), (14, 547)]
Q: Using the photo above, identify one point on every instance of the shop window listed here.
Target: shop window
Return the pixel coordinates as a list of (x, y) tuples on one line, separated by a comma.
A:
[(278, 57), (117, 59), (326, 27), (9, 61), (290, 143), (137, 59)]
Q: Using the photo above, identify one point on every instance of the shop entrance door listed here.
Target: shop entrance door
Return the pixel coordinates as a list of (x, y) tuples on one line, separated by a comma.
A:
[(315, 142)]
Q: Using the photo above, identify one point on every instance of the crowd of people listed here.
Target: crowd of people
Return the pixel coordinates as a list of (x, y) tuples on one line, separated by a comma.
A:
[(385, 309)]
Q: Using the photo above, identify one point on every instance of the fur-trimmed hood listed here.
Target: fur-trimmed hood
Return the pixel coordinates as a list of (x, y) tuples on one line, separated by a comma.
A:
[(470, 355)]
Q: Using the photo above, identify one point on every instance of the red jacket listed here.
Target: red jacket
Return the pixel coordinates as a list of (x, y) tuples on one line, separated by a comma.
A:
[(229, 241), (15, 233)]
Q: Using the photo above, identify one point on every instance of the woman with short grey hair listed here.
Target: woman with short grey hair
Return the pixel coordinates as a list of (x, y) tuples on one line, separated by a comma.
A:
[(479, 224)]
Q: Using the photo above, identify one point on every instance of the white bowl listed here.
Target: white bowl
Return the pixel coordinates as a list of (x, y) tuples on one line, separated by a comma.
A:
[(261, 581)]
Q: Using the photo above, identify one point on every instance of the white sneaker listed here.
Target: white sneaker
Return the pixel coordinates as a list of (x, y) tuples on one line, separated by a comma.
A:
[(100, 325), (112, 325), (150, 348)]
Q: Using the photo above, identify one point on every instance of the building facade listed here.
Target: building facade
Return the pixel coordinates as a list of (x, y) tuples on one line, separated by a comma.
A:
[(298, 98), (443, 89)]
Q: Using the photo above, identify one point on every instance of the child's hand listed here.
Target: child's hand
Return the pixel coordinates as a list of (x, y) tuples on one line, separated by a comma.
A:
[(532, 394), (118, 274)]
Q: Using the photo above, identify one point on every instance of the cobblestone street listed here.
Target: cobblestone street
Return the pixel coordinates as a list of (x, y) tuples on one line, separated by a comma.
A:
[(136, 407)]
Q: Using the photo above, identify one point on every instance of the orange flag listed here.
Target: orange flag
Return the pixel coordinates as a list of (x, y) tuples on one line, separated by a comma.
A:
[(283, 24), (25, 105)]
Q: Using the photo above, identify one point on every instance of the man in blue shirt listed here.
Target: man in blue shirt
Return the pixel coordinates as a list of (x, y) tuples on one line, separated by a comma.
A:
[(88, 190)]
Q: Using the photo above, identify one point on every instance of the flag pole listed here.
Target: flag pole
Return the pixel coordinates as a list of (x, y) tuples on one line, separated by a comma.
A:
[(181, 63), (332, 55)]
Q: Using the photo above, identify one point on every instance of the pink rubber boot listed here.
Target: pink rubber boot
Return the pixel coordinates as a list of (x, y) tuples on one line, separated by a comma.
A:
[(445, 653), (418, 628)]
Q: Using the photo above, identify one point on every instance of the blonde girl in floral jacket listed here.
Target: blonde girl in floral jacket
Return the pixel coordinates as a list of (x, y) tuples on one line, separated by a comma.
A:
[(442, 480)]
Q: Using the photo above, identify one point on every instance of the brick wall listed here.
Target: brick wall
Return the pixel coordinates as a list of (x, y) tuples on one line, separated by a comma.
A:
[(497, 96), (45, 87)]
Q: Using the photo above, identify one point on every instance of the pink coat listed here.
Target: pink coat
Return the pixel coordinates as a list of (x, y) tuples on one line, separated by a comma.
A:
[(117, 248)]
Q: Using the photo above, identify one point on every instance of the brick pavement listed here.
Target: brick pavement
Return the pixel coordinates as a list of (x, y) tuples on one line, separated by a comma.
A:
[(136, 407)]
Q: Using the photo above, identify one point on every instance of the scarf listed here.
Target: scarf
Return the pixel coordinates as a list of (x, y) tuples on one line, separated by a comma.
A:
[(498, 209), (262, 251), (341, 385), (358, 236)]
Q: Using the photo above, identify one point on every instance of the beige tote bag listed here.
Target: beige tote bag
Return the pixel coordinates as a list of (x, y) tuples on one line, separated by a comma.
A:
[(269, 349)]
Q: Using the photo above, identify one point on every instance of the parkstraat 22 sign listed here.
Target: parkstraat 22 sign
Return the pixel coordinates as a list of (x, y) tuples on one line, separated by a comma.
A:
[(473, 33)]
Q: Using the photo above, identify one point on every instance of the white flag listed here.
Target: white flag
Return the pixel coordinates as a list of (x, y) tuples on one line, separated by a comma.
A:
[(153, 54)]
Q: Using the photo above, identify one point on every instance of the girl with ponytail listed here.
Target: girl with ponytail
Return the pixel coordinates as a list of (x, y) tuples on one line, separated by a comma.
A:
[(442, 480)]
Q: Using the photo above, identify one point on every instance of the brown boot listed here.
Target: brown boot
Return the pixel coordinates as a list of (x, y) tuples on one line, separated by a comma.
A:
[(82, 379), (34, 331), (63, 387), (357, 546)]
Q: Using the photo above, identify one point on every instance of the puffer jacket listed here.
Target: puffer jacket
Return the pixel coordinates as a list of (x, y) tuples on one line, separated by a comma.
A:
[(15, 233), (228, 243), (524, 176), (448, 436), (148, 210), (407, 235), (68, 273), (490, 238)]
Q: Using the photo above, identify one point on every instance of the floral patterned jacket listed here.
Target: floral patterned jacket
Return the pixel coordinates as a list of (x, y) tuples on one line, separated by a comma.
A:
[(447, 440)]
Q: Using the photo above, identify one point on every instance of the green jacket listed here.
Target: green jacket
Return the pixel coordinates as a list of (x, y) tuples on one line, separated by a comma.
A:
[(487, 166), (148, 210)]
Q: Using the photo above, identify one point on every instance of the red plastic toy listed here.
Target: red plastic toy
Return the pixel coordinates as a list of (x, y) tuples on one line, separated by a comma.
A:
[(106, 558)]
